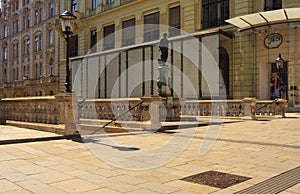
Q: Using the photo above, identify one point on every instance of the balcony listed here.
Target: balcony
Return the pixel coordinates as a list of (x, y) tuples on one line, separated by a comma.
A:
[(114, 4)]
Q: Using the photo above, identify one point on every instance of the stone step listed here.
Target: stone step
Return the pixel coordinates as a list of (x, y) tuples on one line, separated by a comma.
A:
[(118, 123), (88, 129)]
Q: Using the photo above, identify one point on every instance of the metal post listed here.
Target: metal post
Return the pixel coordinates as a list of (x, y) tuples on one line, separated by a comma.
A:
[(67, 84)]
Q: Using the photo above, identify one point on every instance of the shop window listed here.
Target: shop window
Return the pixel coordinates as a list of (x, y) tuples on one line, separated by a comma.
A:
[(151, 27), (174, 21), (128, 32), (273, 5), (214, 13)]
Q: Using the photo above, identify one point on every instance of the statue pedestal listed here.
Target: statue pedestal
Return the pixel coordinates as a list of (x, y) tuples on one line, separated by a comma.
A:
[(163, 80), (157, 109)]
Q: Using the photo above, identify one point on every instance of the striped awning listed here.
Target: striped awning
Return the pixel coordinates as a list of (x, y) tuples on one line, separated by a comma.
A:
[(253, 20)]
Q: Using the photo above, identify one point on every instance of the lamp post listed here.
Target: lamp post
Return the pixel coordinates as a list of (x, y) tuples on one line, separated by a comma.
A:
[(67, 23), (279, 64)]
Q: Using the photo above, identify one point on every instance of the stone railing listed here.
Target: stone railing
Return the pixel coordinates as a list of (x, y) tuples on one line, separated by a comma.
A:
[(68, 109), (109, 109), (234, 108), (30, 109)]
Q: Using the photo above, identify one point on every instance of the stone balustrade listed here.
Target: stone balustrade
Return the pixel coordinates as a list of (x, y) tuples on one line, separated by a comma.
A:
[(234, 108), (67, 109), (30, 109), (110, 109)]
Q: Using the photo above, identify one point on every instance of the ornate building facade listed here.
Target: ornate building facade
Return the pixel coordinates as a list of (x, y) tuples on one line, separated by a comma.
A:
[(29, 48), (244, 46)]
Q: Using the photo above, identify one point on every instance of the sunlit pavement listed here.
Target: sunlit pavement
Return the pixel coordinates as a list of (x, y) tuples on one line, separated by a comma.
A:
[(255, 149)]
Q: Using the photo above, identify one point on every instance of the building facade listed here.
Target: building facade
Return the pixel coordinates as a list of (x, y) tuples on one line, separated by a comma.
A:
[(245, 54), (29, 48)]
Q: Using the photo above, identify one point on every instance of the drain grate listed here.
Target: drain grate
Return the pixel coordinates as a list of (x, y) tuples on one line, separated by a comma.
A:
[(216, 179), (275, 184)]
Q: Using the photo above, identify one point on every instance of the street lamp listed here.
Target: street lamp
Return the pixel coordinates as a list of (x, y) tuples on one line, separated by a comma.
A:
[(67, 23), (279, 62)]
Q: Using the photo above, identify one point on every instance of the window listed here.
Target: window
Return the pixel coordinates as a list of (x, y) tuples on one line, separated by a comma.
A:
[(128, 32), (51, 37), (94, 4), (215, 12), (74, 5), (26, 47), (28, 21), (151, 27), (109, 37), (5, 53), (51, 9), (24, 22), (36, 43), (41, 70), (15, 50), (93, 42), (174, 21), (36, 16), (40, 18), (110, 1), (36, 71), (273, 4), (16, 26), (51, 67), (5, 31)]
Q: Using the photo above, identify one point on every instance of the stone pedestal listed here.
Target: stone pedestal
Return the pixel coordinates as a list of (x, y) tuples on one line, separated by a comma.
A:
[(158, 109), (249, 105), (163, 80), (282, 109), (67, 103)]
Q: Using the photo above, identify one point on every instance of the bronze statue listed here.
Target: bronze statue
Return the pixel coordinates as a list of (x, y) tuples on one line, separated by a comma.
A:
[(164, 47)]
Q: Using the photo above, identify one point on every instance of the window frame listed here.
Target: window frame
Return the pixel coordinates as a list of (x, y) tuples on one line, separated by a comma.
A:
[(152, 30), (128, 32), (174, 29), (214, 13)]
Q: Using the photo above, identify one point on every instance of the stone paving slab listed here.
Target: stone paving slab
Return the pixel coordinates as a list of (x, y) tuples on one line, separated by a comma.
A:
[(15, 133), (256, 149)]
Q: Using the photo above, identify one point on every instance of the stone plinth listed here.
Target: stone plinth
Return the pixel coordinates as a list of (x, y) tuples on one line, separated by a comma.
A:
[(249, 105), (158, 109), (67, 105)]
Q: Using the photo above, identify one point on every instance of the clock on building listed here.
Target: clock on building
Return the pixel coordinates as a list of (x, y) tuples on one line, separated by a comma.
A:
[(273, 40)]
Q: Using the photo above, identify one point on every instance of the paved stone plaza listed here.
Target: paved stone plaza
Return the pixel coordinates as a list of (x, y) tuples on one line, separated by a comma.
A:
[(255, 149)]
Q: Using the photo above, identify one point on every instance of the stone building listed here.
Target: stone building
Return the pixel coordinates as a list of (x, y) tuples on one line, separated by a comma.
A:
[(243, 38), (29, 48)]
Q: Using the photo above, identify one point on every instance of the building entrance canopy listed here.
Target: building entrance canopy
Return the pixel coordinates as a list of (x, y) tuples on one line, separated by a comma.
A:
[(259, 19)]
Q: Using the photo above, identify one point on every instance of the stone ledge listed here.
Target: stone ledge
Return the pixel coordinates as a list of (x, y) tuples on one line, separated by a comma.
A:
[(58, 129)]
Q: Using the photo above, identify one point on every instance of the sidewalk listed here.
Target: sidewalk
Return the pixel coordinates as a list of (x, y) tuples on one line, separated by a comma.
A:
[(152, 162)]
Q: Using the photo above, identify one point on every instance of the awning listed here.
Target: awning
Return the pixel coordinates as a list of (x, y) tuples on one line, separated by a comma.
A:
[(265, 18)]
